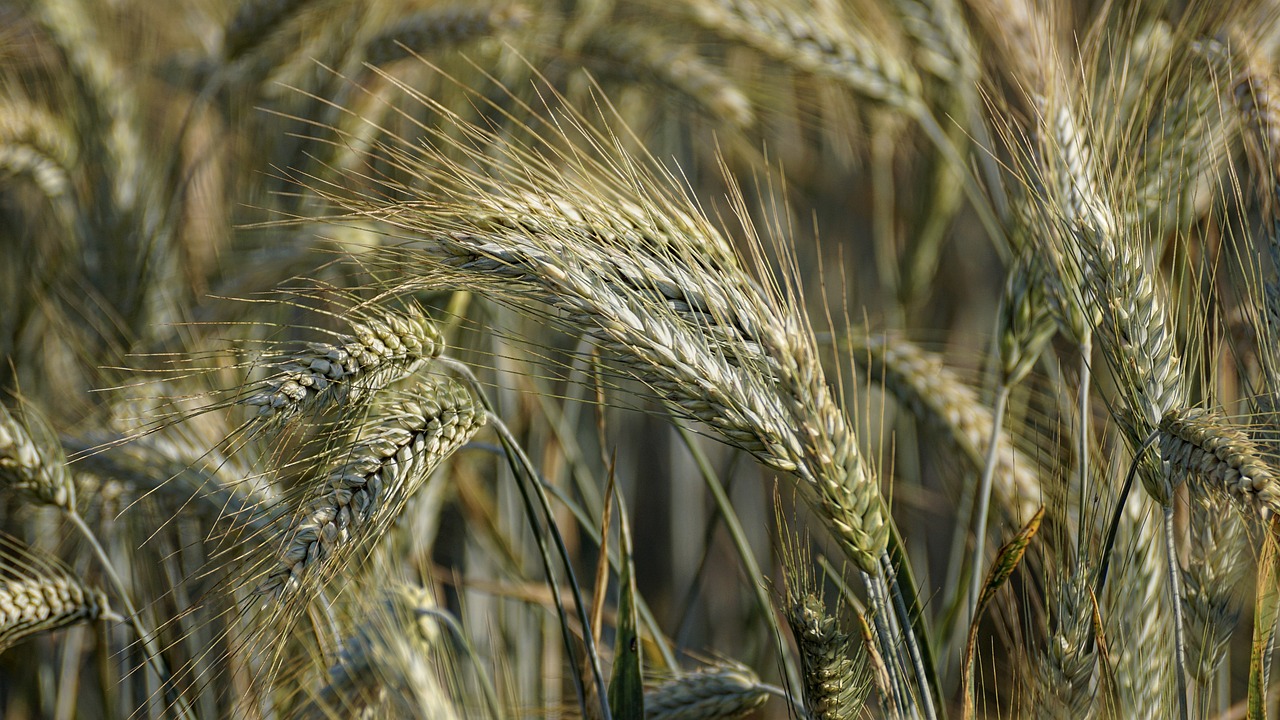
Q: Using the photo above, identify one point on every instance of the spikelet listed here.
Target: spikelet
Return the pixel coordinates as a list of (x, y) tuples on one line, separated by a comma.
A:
[(32, 459), (384, 347), (39, 594), (722, 692), (364, 493)]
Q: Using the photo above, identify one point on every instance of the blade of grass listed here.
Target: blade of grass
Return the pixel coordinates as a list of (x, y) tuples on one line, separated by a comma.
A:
[(626, 684)]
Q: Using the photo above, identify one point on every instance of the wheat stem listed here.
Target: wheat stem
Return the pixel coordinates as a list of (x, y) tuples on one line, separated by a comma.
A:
[(1175, 591), (1082, 410), (522, 467), (177, 704), (984, 498), (913, 649)]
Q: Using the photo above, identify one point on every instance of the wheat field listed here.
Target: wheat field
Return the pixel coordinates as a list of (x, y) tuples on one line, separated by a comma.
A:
[(639, 359)]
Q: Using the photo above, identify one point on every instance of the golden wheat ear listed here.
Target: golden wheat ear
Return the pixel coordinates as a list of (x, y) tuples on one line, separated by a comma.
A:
[(39, 594)]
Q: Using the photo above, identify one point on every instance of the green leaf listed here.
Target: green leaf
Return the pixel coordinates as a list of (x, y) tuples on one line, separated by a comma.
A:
[(626, 685)]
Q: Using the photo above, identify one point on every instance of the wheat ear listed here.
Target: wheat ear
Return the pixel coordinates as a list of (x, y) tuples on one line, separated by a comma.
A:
[(384, 346), (936, 395), (39, 594), (722, 692), (831, 49), (1205, 447), (648, 56), (364, 493), (386, 665), (33, 460), (253, 21)]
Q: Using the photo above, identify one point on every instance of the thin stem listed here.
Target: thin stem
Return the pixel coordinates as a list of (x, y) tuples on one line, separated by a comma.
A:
[(1082, 410), (984, 498), (1109, 543), (876, 596), (1175, 589), (743, 546), (913, 650), (176, 702), (522, 466)]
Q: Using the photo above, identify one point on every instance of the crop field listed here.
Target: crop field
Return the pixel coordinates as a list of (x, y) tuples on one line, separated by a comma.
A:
[(639, 359)]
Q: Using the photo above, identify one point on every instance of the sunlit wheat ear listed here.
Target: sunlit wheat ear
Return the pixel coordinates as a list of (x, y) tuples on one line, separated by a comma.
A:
[(32, 459), (649, 57), (721, 692), (1137, 341), (384, 346), (39, 594), (430, 29), (1205, 447), (934, 393), (363, 494), (625, 257), (829, 48)]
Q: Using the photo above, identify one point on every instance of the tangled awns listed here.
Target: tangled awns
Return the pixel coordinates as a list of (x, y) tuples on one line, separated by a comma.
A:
[(639, 359)]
